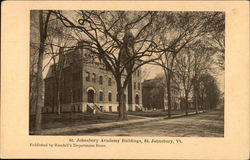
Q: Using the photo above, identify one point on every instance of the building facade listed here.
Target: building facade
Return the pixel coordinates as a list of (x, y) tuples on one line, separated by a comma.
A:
[(87, 85), (155, 96)]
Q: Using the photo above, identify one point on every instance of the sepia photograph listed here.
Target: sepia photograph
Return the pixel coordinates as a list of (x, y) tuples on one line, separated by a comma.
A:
[(124, 80), (127, 73)]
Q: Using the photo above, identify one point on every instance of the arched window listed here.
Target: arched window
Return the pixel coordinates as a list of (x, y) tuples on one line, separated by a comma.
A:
[(93, 77), (110, 82), (100, 80), (101, 96), (110, 96), (87, 76)]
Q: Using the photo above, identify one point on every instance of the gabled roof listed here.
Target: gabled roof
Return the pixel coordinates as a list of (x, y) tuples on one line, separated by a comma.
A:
[(50, 72)]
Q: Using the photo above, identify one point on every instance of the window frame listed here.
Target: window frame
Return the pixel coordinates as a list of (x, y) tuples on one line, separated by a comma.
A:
[(110, 97), (100, 80), (88, 76), (109, 82), (101, 96), (93, 77)]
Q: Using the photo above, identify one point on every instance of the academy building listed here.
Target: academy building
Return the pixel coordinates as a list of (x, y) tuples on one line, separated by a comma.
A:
[(86, 84)]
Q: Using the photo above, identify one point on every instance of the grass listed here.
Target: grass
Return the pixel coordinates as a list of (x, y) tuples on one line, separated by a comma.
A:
[(148, 114), (158, 113), (52, 120)]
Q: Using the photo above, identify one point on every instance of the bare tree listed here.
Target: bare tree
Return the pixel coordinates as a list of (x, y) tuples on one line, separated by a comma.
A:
[(34, 48), (204, 62), (216, 39), (60, 41), (44, 17), (209, 91), (193, 61), (180, 29), (122, 40), (184, 69)]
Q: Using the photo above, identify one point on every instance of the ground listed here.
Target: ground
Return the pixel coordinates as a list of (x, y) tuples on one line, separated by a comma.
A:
[(158, 113), (208, 124), (52, 120)]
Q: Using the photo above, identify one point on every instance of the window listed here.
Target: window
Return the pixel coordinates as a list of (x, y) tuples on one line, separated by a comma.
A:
[(53, 101), (138, 73), (87, 76), (101, 96), (100, 80), (139, 86), (93, 77), (110, 96), (74, 95), (134, 85), (79, 95), (110, 82)]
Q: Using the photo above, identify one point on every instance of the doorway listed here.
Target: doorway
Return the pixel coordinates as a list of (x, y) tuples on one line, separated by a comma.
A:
[(91, 94), (137, 99)]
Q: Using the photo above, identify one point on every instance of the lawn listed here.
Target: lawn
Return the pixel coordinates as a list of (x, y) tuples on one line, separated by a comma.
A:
[(52, 120), (158, 113)]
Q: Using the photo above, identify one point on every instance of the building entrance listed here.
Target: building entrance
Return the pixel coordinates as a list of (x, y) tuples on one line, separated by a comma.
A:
[(91, 94), (137, 99)]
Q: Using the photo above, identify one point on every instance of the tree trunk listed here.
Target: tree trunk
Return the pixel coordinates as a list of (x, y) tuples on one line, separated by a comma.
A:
[(186, 106), (43, 34), (122, 104), (59, 78), (169, 94), (58, 101), (195, 97), (39, 104), (202, 102), (39, 78)]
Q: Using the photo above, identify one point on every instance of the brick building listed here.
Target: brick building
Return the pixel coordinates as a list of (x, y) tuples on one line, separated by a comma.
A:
[(86, 84), (154, 94)]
